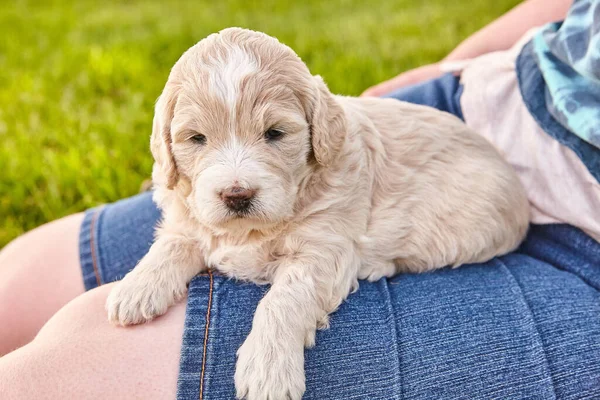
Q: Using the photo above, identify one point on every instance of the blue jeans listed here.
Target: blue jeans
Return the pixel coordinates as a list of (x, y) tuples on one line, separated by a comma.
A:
[(525, 325)]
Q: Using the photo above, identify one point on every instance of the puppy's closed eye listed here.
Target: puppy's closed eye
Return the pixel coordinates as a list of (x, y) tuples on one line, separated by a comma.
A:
[(273, 134)]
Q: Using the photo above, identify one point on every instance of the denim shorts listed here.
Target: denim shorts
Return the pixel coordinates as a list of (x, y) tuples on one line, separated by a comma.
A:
[(524, 325)]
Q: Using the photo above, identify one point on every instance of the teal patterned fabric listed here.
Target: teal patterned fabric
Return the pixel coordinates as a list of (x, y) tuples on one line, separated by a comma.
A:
[(568, 56)]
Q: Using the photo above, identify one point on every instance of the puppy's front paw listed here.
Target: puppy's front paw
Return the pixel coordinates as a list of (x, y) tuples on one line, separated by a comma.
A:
[(135, 300), (268, 369), (377, 269)]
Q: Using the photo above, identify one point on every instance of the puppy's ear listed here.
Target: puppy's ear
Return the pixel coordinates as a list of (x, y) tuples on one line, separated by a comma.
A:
[(161, 140), (328, 125)]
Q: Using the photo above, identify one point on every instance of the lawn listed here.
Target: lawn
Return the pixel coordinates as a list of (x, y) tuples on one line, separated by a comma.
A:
[(78, 79)]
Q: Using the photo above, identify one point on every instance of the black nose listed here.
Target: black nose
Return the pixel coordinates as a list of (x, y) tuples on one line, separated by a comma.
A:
[(237, 198)]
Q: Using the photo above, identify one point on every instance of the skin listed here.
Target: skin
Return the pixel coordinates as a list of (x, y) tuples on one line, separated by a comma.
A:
[(79, 355), (51, 273)]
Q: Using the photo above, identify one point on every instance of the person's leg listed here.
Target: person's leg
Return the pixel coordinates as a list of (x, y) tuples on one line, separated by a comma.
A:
[(44, 269), (79, 355), (39, 273)]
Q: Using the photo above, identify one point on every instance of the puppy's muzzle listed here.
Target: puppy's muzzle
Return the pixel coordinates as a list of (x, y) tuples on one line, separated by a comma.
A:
[(237, 198)]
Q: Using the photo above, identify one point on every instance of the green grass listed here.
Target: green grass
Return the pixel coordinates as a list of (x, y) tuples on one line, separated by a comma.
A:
[(78, 79)]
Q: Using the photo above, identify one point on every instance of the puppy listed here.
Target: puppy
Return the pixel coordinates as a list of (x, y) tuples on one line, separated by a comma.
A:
[(265, 176)]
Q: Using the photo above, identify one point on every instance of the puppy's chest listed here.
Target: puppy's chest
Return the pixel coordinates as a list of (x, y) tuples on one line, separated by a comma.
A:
[(252, 262)]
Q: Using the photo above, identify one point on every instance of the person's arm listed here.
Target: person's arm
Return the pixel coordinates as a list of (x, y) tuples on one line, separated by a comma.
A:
[(500, 34)]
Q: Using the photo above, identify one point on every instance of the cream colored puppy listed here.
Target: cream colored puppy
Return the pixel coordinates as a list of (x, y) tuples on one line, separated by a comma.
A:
[(266, 176)]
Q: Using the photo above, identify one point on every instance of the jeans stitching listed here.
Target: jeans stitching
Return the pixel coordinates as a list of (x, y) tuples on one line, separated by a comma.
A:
[(93, 247), (210, 296), (394, 333), (535, 325)]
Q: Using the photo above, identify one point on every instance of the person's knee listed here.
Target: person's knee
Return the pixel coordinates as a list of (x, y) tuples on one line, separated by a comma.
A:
[(39, 273)]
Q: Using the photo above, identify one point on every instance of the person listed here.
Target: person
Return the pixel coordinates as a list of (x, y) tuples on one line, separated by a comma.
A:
[(524, 325)]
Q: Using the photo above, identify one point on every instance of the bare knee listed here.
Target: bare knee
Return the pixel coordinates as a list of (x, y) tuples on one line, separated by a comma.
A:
[(39, 273), (78, 354)]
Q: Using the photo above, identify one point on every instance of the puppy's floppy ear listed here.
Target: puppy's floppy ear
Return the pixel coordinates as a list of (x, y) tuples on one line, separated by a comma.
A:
[(161, 140), (327, 126)]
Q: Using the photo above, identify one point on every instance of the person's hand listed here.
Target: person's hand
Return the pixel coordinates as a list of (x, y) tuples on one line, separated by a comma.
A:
[(407, 78)]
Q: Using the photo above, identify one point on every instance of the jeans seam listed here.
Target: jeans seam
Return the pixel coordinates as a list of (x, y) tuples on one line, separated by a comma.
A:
[(394, 332), (207, 326), (93, 247), (535, 325)]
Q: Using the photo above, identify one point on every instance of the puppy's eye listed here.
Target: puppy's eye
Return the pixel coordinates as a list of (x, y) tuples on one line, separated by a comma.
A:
[(273, 134), (200, 139)]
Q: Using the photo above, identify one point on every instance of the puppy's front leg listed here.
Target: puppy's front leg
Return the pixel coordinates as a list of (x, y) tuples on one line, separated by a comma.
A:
[(157, 282), (270, 363)]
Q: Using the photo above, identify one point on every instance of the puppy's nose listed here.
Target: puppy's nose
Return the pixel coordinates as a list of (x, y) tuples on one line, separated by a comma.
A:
[(237, 198)]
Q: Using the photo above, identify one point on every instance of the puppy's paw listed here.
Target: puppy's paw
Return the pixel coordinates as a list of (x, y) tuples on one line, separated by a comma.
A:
[(135, 300), (267, 369), (375, 270)]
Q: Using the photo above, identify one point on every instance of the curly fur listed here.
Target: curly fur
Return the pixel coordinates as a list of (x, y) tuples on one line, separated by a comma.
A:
[(355, 188)]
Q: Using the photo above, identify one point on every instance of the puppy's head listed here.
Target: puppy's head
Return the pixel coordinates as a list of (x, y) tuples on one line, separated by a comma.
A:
[(240, 123)]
